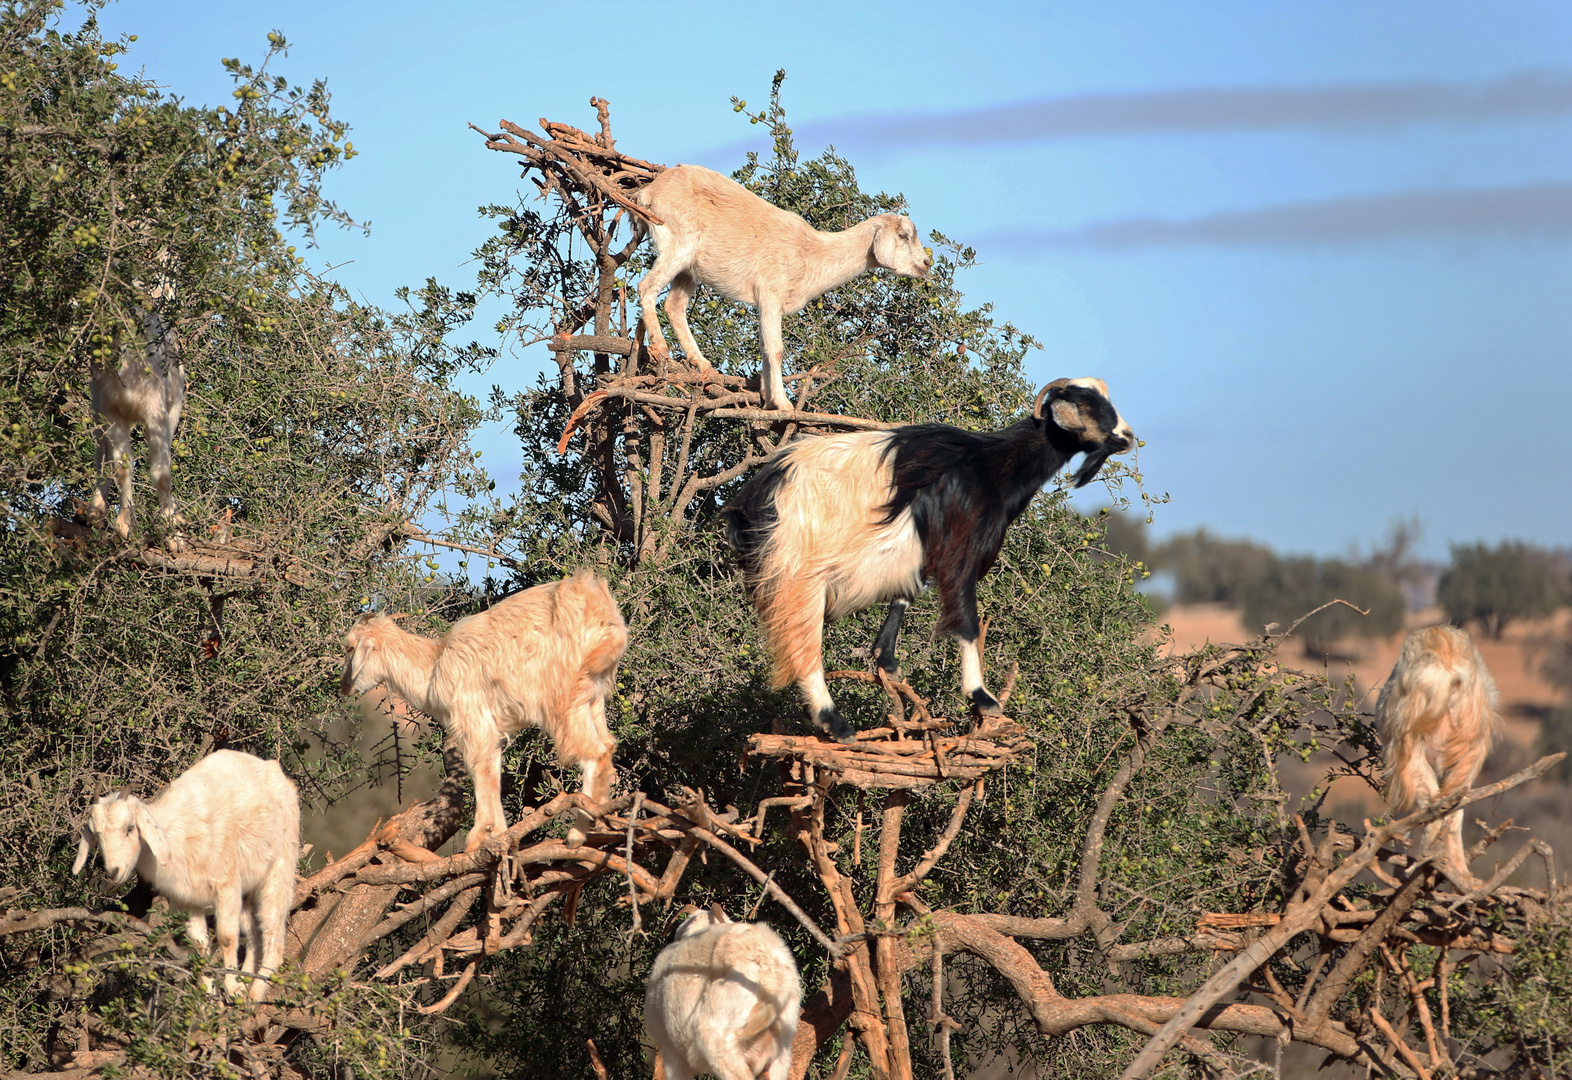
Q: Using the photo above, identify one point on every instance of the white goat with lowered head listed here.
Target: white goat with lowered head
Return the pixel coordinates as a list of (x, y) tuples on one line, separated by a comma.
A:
[(544, 657), (1438, 719), (147, 386), (716, 232), (223, 837), (723, 998)]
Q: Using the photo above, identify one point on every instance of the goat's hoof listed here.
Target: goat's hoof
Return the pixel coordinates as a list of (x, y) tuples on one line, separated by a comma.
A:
[(831, 723), (986, 704)]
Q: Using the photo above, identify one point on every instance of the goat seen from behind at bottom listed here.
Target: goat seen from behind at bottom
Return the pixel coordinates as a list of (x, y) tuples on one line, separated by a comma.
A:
[(1438, 718), (723, 998)]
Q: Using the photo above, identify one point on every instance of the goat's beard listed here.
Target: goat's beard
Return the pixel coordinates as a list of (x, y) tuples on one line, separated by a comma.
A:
[(1092, 466)]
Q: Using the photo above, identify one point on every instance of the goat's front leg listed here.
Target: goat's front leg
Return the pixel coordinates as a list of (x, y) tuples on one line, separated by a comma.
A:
[(772, 389), (487, 771), (114, 447), (889, 634), (958, 588), (196, 927)]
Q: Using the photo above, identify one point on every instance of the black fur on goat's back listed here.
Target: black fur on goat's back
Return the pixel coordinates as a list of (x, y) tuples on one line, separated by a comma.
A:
[(750, 516), (1004, 467), (964, 489)]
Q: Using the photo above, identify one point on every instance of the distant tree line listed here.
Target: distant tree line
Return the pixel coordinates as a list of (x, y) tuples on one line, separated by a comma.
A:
[(1483, 587)]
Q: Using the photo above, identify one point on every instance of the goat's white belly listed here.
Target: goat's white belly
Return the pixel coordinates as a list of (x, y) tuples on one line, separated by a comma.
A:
[(888, 567)]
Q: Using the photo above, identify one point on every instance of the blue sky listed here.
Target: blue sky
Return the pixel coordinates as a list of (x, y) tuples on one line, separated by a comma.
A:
[(1320, 252)]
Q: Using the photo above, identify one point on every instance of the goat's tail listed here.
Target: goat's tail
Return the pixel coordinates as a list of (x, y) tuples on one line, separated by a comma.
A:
[(588, 624), (760, 1020), (1439, 679), (641, 228)]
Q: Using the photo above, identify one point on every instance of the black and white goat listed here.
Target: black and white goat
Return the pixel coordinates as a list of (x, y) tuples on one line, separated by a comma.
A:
[(838, 523)]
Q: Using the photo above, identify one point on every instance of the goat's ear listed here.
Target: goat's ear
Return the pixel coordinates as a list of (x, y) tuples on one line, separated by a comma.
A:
[(152, 835), (1068, 415), (84, 848)]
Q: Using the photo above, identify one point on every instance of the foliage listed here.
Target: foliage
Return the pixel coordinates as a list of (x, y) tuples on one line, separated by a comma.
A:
[(144, 994), (1291, 586), (1520, 1013), (1495, 585), (1210, 570), (694, 683), (322, 436), (315, 429)]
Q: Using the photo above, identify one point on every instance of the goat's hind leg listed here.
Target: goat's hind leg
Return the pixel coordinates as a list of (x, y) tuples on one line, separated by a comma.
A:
[(889, 634), (821, 708), (794, 626), (666, 269), (772, 387), (227, 912), (269, 921), (595, 781), (158, 470), (677, 301)]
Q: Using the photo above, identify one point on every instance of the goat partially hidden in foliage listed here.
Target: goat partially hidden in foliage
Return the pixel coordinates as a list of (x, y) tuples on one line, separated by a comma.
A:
[(835, 524), (223, 837), (723, 998), (544, 657), (143, 382), (1438, 718), (716, 232)]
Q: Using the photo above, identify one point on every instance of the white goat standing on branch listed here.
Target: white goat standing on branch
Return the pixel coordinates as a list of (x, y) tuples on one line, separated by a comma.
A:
[(723, 998), (147, 386), (716, 232), (223, 837), (544, 657), (1438, 719)]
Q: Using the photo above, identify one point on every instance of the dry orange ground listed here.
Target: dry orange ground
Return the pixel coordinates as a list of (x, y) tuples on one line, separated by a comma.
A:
[(1524, 694)]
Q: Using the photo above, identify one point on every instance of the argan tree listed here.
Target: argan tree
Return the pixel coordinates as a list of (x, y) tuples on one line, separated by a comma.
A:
[(1115, 879), (316, 434), (1493, 586)]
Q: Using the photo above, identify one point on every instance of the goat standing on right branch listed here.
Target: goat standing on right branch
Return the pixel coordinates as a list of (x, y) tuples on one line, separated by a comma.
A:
[(724, 998), (143, 382), (716, 232), (544, 657), (1438, 719), (834, 524)]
